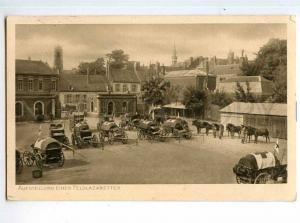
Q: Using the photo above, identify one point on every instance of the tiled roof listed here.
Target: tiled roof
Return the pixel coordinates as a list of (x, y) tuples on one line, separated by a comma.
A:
[(186, 73), (143, 75), (32, 67), (123, 76), (78, 82), (246, 78), (226, 69), (275, 109)]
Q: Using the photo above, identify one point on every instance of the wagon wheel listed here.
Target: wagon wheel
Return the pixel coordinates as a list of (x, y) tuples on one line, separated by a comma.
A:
[(110, 138), (28, 158), (262, 178), (125, 139), (39, 161), (238, 179), (61, 159), (19, 166), (95, 141)]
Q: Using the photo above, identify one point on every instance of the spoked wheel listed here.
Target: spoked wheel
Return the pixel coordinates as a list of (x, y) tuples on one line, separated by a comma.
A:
[(28, 158), (61, 159), (238, 180), (262, 178), (95, 141), (125, 139), (19, 166), (110, 138)]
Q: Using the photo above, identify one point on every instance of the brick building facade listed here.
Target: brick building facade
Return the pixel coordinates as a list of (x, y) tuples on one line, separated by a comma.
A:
[(36, 91)]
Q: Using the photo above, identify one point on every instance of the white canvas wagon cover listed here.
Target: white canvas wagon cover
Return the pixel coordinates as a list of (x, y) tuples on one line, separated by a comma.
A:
[(44, 143)]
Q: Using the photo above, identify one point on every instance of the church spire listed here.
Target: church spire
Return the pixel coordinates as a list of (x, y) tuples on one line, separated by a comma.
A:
[(174, 56)]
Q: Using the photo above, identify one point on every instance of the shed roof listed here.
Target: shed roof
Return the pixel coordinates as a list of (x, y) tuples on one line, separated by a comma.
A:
[(124, 76), (177, 105), (78, 82), (246, 79), (226, 69), (186, 73), (33, 67), (275, 109)]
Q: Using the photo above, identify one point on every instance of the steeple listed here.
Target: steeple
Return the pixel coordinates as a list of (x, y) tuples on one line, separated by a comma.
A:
[(174, 56)]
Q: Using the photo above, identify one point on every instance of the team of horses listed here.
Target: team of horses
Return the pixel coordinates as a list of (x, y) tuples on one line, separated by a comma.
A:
[(246, 132)]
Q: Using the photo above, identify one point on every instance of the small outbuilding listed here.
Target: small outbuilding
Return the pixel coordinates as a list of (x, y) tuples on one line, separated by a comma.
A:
[(272, 116)]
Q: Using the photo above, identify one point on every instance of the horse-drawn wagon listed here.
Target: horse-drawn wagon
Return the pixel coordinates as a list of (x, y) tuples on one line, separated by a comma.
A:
[(260, 168), (130, 121), (83, 135), (57, 131), (147, 129), (45, 151), (177, 128), (112, 132), (74, 118)]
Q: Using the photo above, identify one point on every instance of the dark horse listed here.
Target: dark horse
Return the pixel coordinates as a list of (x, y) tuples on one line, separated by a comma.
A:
[(202, 125), (250, 131), (231, 128)]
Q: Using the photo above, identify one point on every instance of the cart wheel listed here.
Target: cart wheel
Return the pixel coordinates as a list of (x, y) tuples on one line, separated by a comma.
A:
[(19, 166), (125, 140), (262, 178), (238, 180), (110, 138), (28, 158), (95, 141), (39, 161), (61, 160)]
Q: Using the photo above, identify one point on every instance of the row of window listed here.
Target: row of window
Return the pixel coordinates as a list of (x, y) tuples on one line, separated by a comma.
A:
[(20, 85), (125, 87), (74, 98)]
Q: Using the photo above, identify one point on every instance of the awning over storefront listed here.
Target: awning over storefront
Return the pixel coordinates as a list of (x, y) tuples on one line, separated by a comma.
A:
[(175, 105)]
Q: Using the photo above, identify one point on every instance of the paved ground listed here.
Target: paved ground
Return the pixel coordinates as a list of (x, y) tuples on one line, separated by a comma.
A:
[(199, 160)]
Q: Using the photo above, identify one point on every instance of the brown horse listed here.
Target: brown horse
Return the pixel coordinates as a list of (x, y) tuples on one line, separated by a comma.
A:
[(251, 131), (262, 132), (202, 125), (231, 128)]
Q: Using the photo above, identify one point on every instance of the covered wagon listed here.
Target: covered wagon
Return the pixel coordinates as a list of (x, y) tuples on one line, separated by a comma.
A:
[(112, 132), (261, 167), (176, 127)]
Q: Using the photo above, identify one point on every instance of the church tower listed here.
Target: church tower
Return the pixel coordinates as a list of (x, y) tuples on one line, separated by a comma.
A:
[(174, 56), (58, 59)]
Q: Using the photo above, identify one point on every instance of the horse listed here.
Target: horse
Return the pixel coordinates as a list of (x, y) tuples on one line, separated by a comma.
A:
[(231, 128), (262, 132), (248, 132), (202, 125)]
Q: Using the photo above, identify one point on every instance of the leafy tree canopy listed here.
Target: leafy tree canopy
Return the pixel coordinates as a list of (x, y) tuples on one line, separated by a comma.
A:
[(118, 59), (95, 67), (196, 100), (154, 91), (243, 95)]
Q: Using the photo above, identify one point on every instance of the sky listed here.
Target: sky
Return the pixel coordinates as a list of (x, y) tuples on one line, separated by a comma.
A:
[(144, 43)]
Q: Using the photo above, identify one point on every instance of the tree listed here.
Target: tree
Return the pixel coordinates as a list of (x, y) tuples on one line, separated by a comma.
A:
[(172, 94), (95, 67), (220, 98), (244, 96), (271, 63), (154, 91), (195, 100), (118, 59)]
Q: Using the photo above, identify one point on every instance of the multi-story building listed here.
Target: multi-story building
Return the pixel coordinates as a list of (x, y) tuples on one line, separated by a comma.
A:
[(36, 91)]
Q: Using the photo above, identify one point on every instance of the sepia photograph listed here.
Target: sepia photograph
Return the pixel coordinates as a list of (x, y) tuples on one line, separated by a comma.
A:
[(94, 104)]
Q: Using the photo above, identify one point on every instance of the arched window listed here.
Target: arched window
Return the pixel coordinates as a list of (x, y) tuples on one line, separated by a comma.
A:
[(124, 107), (92, 106), (19, 109), (110, 108), (38, 108)]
